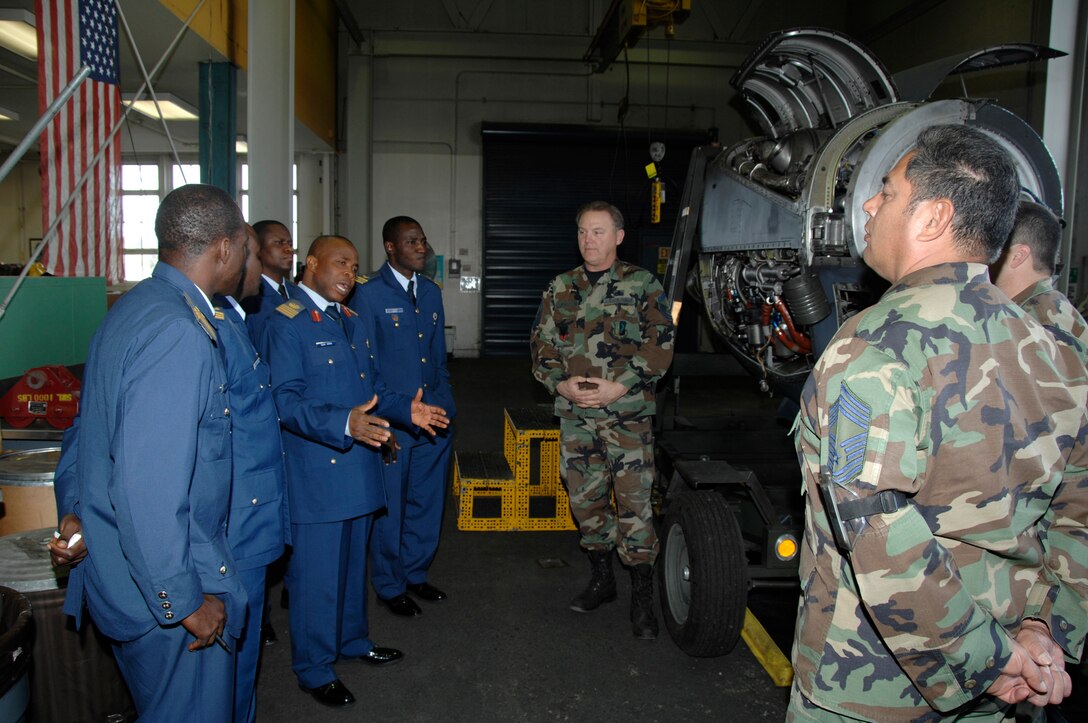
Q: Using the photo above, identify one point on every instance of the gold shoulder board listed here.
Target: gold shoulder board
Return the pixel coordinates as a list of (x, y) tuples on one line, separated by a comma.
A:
[(290, 309), (201, 319)]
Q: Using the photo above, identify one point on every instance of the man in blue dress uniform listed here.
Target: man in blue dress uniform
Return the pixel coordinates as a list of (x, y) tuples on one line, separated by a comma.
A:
[(153, 478), (257, 528), (257, 524), (402, 313), (324, 386), (277, 255), (277, 259)]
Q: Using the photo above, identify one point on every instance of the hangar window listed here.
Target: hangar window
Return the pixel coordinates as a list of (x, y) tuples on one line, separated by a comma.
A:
[(143, 186), (141, 191), (244, 201)]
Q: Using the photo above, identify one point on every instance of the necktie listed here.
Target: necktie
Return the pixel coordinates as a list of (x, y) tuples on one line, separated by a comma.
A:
[(333, 312), (283, 292), (412, 291)]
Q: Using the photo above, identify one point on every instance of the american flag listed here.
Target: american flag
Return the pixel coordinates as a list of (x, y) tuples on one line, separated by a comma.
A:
[(72, 33)]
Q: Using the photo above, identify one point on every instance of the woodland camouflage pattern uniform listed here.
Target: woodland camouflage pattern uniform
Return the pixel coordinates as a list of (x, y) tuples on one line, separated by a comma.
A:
[(619, 329), (945, 392), (1057, 315)]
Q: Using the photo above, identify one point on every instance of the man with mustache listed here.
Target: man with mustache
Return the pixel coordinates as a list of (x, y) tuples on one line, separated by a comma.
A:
[(941, 437), (325, 387)]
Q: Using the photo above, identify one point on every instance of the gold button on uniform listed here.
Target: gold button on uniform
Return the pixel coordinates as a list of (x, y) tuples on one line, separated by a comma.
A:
[(424, 360), (166, 606), (169, 616), (330, 361), (362, 375), (332, 461), (162, 595), (222, 569), (253, 501)]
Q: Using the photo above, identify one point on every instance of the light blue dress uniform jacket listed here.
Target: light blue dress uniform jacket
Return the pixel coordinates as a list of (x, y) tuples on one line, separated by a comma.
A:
[(257, 528), (410, 343), (409, 346), (260, 308), (319, 374), (153, 473)]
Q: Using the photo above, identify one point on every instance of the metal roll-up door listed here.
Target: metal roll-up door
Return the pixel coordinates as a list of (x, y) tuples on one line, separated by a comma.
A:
[(535, 178)]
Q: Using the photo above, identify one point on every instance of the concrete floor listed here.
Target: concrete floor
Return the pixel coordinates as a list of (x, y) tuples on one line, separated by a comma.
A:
[(505, 646)]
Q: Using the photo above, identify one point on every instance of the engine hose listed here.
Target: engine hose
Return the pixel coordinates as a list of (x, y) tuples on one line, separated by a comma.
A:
[(788, 342), (765, 319), (801, 340)]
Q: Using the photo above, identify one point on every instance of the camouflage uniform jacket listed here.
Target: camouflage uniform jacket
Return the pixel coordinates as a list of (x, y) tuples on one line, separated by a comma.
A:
[(949, 394), (1050, 307), (617, 329)]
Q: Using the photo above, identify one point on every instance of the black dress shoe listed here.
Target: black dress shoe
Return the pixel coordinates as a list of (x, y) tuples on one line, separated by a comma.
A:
[(426, 591), (334, 694), (381, 656), (268, 634), (402, 605)]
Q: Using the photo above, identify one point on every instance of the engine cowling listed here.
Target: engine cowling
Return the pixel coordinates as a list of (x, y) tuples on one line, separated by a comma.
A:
[(781, 226)]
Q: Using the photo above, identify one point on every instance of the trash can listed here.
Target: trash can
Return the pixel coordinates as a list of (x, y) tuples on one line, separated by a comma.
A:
[(16, 636), (73, 676)]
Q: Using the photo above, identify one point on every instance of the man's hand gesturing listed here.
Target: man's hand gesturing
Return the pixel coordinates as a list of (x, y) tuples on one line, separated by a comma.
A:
[(367, 428), (428, 416)]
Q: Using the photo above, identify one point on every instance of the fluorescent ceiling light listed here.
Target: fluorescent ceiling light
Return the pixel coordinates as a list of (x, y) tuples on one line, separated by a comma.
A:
[(18, 32), (240, 146), (173, 109), (6, 114)]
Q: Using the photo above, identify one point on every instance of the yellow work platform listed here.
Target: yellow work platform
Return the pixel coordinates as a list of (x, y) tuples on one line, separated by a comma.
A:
[(519, 490)]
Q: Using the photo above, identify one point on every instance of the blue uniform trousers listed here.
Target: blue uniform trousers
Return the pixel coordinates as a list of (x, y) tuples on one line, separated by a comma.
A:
[(170, 683), (406, 536), (248, 647), (326, 576)]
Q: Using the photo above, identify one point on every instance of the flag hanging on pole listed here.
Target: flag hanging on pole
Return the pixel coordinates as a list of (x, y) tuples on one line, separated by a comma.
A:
[(73, 33)]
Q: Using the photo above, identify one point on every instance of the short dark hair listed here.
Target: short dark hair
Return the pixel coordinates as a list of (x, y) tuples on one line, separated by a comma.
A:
[(261, 226), (389, 229), (971, 170), (615, 213), (191, 217), (1039, 229)]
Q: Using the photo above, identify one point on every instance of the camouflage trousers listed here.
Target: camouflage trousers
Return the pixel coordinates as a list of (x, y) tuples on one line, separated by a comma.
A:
[(609, 456), (803, 710)]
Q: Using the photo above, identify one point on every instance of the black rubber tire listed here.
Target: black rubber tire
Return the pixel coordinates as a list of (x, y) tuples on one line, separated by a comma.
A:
[(702, 574)]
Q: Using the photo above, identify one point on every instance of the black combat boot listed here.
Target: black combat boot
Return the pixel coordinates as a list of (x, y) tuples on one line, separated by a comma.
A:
[(602, 583), (643, 622)]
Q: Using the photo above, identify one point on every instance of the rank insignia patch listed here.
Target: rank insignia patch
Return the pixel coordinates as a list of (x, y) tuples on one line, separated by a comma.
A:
[(290, 309), (848, 424)]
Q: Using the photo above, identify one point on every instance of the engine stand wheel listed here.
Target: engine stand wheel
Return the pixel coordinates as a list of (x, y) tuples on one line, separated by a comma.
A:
[(703, 574)]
